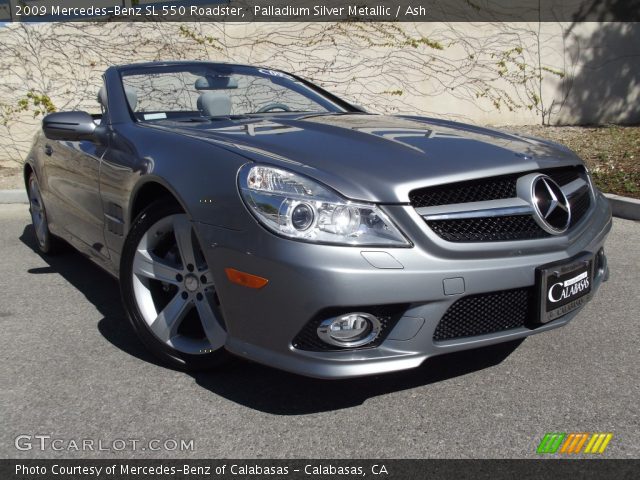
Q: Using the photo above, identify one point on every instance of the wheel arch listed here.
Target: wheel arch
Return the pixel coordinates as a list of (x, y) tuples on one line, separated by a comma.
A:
[(26, 172), (150, 191)]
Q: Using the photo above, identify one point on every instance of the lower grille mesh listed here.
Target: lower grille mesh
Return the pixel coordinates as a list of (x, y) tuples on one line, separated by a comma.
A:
[(308, 338), (487, 313), (488, 229)]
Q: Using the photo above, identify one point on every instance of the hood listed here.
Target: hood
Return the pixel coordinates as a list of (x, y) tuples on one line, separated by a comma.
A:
[(378, 158)]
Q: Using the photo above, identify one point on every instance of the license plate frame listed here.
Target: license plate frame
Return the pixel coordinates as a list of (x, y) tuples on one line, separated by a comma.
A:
[(563, 287)]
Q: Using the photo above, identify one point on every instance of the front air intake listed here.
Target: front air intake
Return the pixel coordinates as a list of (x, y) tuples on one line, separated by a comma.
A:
[(487, 313)]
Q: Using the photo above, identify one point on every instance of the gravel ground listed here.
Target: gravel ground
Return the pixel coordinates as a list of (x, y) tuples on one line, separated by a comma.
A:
[(612, 153)]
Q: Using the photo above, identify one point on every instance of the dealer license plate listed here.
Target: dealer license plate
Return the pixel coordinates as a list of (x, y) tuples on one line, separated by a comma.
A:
[(563, 287)]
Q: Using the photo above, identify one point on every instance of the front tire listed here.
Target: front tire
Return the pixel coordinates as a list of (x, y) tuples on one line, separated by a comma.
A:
[(47, 242), (168, 292)]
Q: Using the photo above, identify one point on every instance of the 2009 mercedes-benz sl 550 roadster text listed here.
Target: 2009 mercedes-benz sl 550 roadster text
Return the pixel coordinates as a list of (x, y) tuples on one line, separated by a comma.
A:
[(246, 210)]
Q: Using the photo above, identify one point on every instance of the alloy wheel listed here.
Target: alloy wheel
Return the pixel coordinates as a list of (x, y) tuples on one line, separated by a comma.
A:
[(173, 288)]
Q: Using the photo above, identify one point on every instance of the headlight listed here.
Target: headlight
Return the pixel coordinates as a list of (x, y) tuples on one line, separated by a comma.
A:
[(300, 208)]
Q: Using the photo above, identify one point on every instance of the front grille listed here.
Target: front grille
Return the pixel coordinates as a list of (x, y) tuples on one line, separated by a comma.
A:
[(308, 338), (563, 176), (487, 313), (496, 228), (579, 206), (464, 192), (495, 188)]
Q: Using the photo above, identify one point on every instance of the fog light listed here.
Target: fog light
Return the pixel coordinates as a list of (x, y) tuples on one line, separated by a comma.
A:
[(350, 330)]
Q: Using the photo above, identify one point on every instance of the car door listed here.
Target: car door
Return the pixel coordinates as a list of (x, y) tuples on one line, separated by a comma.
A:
[(73, 169)]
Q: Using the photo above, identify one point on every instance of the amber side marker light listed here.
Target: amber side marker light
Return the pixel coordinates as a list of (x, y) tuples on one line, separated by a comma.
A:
[(245, 279)]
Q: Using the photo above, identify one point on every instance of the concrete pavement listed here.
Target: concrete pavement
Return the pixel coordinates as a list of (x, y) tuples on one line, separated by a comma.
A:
[(72, 369)]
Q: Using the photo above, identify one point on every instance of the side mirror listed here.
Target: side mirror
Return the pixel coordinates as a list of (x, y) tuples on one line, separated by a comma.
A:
[(71, 126)]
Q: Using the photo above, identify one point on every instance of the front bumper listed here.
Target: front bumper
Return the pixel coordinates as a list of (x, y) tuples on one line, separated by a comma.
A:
[(305, 279)]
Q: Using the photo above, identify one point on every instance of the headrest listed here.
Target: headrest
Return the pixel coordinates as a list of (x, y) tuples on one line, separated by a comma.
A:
[(215, 83), (132, 97), (102, 96), (213, 104)]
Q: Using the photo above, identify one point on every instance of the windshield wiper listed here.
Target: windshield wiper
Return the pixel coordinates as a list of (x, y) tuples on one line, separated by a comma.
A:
[(324, 114), (228, 117), (213, 118), (193, 119)]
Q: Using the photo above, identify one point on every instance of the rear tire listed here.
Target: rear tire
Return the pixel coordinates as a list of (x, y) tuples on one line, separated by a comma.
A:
[(168, 291), (48, 243)]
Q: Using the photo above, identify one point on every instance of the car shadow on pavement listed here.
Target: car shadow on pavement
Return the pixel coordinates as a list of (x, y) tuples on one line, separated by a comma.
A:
[(98, 287), (252, 385), (281, 393)]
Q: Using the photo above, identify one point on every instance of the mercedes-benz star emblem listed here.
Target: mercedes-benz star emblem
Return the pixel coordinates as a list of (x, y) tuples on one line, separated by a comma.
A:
[(552, 209)]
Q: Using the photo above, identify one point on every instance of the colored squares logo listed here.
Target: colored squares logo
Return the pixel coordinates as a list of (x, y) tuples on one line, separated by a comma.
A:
[(571, 443)]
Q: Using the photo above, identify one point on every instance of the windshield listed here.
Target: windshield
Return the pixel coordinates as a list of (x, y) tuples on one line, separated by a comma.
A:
[(209, 91)]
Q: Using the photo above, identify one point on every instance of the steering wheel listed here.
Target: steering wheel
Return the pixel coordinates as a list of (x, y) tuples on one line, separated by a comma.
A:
[(274, 106)]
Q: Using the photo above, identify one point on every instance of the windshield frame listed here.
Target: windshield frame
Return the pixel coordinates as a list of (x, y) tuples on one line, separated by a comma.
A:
[(326, 100)]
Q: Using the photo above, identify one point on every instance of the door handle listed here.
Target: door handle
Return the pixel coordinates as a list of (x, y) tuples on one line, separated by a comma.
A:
[(48, 150)]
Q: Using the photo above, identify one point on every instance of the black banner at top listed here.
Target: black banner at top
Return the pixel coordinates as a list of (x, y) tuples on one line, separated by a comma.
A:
[(320, 10)]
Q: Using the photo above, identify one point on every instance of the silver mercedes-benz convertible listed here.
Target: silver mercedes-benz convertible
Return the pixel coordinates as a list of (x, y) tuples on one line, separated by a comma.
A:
[(247, 211)]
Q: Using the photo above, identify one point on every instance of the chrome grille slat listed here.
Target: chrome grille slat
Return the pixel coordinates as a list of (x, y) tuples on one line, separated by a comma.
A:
[(489, 208), (575, 188)]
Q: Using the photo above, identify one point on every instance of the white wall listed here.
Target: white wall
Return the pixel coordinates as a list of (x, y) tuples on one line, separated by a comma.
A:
[(486, 73)]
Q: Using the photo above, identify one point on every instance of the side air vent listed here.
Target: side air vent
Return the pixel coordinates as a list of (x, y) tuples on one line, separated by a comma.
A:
[(114, 219)]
